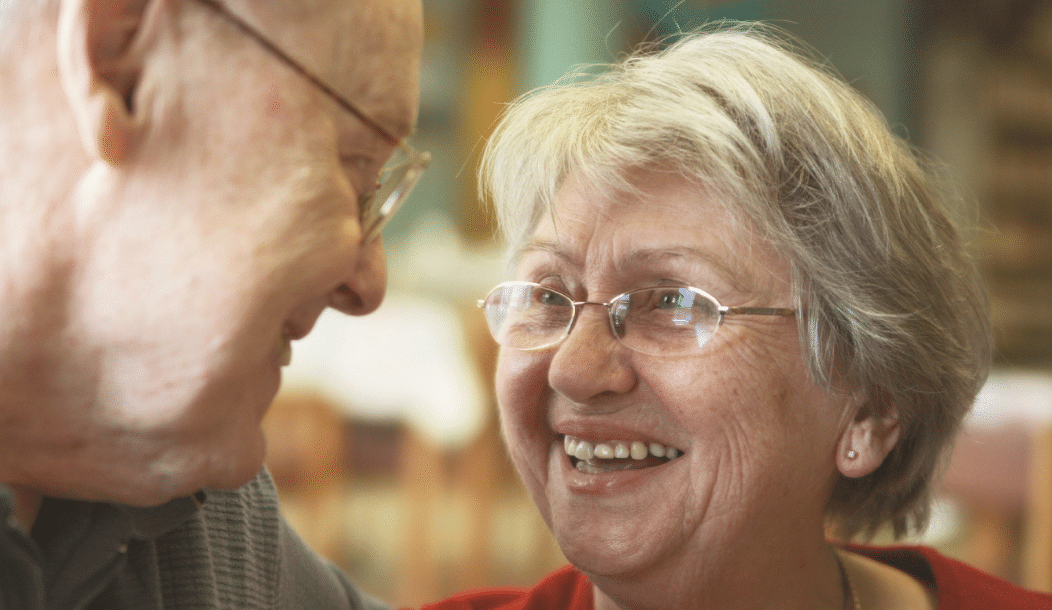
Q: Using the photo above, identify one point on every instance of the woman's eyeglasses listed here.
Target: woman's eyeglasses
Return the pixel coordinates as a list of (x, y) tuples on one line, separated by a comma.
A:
[(659, 321)]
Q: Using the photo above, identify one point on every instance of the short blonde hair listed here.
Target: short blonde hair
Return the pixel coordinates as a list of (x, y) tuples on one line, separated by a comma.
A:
[(890, 305)]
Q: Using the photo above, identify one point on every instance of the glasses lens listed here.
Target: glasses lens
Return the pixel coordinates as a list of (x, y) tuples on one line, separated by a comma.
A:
[(527, 316), (665, 321), (397, 181)]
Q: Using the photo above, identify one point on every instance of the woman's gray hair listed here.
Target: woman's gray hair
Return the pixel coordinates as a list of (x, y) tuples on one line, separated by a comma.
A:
[(891, 309)]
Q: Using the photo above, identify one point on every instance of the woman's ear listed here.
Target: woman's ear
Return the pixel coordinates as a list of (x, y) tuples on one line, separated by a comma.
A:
[(866, 442), (100, 54)]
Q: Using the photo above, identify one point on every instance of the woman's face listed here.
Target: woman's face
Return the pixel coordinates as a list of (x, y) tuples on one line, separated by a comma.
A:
[(756, 438)]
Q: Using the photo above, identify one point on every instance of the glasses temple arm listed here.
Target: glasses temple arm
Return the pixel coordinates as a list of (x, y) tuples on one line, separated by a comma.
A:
[(295, 65), (757, 311)]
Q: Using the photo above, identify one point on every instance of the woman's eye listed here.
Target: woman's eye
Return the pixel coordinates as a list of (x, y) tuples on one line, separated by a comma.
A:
[(549, 297), (669, 300)]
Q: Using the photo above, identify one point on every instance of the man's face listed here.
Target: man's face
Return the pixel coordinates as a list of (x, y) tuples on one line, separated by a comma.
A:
[(232, 225)]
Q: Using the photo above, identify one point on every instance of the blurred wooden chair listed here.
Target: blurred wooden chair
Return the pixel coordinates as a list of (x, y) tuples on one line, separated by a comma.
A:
[(305, 450), (469, 485), (1037, 564), (1002, 476)]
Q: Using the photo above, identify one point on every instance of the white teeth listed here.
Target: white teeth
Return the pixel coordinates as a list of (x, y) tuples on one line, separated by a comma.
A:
[(607, 450)]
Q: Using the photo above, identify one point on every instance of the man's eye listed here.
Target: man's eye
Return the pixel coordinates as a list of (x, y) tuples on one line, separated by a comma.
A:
[(356, 163), (359, 171)]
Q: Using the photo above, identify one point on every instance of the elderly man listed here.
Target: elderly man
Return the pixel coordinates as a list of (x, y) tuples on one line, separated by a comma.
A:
[(185, 185)]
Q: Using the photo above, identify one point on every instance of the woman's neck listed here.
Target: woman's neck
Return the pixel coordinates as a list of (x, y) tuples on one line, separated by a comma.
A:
[(778, 577)]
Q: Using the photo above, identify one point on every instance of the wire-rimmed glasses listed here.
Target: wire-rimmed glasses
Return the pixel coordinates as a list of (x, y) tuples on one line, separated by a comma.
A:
[(659, 321), (396, 181), (399, 176)]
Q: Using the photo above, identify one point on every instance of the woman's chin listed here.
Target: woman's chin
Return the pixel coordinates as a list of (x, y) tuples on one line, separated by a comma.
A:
[(617, 523), (611, 550)]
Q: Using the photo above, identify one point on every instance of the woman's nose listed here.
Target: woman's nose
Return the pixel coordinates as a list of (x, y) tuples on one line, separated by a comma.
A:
[(366, 282), (590, 361)]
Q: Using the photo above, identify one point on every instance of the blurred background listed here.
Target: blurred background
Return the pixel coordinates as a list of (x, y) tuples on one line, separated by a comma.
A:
[(384, 440)]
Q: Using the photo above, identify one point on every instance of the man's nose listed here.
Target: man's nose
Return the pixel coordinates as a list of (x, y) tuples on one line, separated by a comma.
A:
[(366, 282)]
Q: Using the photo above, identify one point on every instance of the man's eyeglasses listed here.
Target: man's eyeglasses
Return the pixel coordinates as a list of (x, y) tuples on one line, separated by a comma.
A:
[(659, 321), (398, 177)]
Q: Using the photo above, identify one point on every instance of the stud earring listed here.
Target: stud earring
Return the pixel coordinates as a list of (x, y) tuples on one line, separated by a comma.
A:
[(852, 454)]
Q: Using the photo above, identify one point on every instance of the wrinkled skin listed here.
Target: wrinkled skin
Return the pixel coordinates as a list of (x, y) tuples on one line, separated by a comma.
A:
[(759, 437), (149, 303)]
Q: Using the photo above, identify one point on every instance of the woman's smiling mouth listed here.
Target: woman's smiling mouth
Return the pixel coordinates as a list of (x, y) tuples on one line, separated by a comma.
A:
[(616, 455)]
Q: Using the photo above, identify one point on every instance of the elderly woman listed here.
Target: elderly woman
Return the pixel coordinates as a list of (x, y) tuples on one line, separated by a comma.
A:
[(741, 319)]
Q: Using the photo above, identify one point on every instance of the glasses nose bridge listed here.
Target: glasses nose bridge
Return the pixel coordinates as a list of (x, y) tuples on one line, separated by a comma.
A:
[(578, 307)]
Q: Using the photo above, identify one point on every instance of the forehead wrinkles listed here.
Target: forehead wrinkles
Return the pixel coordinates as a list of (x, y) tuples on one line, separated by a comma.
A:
[(568, 239), (639, 260), (367, 50), (586, 234), (381, 46), (294, 28)]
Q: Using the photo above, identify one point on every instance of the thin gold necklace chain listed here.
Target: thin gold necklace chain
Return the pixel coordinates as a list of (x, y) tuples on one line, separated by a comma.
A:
[(849, 589)]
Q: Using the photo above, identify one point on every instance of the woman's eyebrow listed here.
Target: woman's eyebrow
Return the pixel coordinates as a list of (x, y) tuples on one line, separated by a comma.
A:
[(644, 257), (638, 258), (542, 245)]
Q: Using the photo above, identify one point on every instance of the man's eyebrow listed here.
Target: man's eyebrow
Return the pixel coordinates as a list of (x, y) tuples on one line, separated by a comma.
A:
[(396, 121), (402, 128)]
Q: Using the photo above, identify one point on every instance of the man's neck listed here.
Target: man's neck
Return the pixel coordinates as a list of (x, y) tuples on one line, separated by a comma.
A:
[(27, 505)]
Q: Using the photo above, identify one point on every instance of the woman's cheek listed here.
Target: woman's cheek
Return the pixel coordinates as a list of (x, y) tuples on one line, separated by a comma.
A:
[(522, 387), (523, 394)]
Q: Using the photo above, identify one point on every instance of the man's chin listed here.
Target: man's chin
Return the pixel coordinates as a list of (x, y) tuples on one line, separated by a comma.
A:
[(225, 469), (145, 483)]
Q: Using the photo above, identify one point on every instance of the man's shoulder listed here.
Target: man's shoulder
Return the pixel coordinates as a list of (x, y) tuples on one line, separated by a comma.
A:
[(261, 557)]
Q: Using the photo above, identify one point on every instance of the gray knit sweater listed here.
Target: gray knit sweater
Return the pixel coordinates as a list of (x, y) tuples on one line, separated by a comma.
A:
[(218, 549)]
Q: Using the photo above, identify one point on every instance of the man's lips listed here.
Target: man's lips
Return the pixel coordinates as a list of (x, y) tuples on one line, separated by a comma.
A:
[(293, 329)]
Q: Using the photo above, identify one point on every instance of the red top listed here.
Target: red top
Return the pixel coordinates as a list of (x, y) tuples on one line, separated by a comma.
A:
[(959, 586), (563, 589)]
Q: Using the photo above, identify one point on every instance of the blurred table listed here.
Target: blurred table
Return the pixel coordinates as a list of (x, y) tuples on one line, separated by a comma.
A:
[(409, 361)]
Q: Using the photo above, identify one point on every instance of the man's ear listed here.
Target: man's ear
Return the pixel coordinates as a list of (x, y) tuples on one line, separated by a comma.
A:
[(100, 53), (867, 441)]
